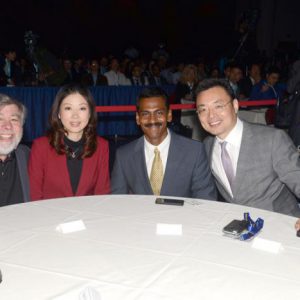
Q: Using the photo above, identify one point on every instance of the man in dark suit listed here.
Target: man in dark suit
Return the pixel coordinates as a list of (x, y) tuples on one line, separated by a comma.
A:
[(247, 83), (10, 73), (137, 78), (94, 77), (14, 184), (155, 78), (253, 165), (183, 167)]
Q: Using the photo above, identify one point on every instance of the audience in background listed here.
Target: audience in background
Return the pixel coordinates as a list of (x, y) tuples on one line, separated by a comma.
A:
[(71, 160), (268, 88)]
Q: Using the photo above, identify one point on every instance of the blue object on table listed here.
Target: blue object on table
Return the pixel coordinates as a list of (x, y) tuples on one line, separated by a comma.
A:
[(253, 227)]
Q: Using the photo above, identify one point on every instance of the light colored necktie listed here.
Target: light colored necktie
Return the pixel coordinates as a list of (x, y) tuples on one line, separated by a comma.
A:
[(227, 163), (157, 173)]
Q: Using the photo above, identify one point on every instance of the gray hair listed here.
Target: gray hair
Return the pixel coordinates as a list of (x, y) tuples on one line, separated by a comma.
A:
[(7, 100)]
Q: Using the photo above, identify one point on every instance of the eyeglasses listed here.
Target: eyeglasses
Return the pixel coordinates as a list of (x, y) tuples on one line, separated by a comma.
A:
[(216, 107)]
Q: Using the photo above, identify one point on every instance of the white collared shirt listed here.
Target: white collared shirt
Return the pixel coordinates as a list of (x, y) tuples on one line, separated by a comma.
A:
[(116, 78), (163, 148), (233, 146)]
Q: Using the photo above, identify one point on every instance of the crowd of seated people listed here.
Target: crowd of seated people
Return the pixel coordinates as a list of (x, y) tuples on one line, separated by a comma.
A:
[(160, 69)]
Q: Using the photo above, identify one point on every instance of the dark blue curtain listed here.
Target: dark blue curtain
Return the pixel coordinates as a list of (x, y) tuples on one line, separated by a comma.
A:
[(38, 101)]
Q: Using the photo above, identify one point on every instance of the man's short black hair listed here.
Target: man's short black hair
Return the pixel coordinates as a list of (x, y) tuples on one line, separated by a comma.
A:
[(273, 69), (207, 84), (151, 93)]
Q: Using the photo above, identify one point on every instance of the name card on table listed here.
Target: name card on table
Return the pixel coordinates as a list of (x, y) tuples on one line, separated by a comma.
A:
[(71, 226), (266, 245), (168, 229)]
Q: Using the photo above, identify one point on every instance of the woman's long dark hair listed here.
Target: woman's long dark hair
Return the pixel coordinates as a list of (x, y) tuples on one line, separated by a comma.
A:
[(57, 132)]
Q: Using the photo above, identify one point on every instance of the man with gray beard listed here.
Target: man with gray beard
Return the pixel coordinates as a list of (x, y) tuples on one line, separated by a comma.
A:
[(14, 184)]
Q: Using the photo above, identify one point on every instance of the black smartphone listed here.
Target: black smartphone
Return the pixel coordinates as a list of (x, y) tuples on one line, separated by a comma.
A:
[(169, 201), (236, 227)]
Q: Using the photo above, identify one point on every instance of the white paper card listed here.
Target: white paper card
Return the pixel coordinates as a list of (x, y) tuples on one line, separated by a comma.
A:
[(71, 226), (168, 229), (266, 245)]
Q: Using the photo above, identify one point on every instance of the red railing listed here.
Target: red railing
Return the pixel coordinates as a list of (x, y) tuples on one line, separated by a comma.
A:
[(128, 108)]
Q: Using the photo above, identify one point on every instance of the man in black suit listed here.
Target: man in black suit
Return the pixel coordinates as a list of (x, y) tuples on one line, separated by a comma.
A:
[(94, 77), (10, 72), (155, 78), (137, 78), (246, 84)]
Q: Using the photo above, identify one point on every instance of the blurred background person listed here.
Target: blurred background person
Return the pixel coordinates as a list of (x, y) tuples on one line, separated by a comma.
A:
[(94, 77), (137, 78), (185, 88), (268, 88), (214, 73), (246, 84), (155, 78), (235, 75), (10, 73), (114, 76), (71, 160), (69, 71)]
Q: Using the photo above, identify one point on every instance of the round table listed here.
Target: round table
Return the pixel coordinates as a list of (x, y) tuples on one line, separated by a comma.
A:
[(123, 254)]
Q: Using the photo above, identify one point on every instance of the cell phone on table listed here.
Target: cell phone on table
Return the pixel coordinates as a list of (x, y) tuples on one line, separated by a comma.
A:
[(169, 201), (236, 227)]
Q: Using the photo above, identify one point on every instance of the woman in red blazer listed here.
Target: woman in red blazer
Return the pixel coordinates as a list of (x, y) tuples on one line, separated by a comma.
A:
[(71, 160)]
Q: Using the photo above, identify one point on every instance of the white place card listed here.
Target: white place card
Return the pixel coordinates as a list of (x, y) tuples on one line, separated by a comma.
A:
[(168, 229), (267, 245), (71, 226)]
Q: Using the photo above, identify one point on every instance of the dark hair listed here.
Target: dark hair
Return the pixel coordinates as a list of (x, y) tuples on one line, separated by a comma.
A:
[(273, 69), (57, 131), (235, 65), (207, 84), (150, 93)]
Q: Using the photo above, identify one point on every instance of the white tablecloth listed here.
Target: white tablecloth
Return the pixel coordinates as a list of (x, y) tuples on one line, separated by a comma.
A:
[(120, 256)]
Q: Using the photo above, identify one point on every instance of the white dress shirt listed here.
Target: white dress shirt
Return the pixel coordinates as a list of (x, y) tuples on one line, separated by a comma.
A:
[(233, 139), (116, 78), (163, 148)]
